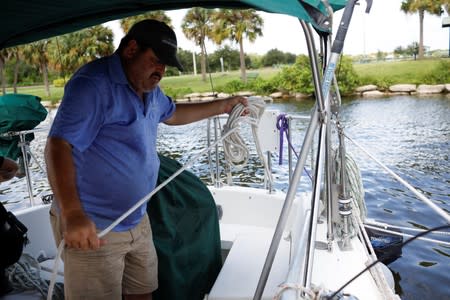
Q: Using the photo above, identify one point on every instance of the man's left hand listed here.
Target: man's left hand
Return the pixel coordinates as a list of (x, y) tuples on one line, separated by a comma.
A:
[(229, 103)]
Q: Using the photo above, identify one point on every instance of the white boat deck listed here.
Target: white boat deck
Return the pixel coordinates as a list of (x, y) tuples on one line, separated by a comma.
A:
[(248, 254), (247, 229)]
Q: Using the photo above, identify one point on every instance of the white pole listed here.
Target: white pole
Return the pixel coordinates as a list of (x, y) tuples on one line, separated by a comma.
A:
[(194, 63)]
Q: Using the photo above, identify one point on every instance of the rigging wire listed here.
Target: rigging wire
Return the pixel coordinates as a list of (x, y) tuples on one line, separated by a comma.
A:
[(208, 69), (385, 226), (444, 243), (378, 260), (419, 195)]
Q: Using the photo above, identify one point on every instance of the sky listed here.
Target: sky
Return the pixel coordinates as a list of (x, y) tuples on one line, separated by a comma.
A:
[(385, 28)]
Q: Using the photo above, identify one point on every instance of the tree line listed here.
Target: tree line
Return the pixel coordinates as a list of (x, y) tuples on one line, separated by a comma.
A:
[(65, 54)]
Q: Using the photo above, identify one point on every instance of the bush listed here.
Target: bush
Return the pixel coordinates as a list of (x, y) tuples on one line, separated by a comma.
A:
[(346, 75), (176, 93), (440, 74), (298, 78), (264, 87), (232, 86), (60, 82)]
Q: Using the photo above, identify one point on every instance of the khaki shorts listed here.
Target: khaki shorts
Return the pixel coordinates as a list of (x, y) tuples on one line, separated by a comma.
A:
[(127, 264)]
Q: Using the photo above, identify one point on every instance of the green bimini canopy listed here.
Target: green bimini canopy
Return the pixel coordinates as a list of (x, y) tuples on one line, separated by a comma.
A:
[(185, 226), (25, 21), (18, 112)]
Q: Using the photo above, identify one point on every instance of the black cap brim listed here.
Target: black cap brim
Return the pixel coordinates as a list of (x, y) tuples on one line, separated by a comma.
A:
[(167, 56), (171, 61)]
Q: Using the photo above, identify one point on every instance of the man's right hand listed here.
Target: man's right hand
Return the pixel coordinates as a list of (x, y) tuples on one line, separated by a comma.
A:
[(8, 169), (79, 231)]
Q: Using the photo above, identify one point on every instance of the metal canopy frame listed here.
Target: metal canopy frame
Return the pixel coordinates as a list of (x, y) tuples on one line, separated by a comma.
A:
[(300, 269)]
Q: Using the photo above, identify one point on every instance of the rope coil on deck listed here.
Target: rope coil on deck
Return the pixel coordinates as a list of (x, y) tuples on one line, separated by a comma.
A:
[(25, 275)]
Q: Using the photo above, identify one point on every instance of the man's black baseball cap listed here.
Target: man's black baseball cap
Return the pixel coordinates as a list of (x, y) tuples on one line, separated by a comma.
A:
[(160, 38)]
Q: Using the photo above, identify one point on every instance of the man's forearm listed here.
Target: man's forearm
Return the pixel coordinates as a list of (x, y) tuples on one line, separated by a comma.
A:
[(188, 113)]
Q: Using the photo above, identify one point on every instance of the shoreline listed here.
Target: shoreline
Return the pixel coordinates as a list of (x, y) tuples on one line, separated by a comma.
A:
[(366, 91)]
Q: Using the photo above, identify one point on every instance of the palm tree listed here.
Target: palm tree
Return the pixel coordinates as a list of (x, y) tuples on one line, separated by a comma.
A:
[(197, 26), (78, 48), (4, 53), (36, 53), (235, 25), (159, 15), (433, 7)]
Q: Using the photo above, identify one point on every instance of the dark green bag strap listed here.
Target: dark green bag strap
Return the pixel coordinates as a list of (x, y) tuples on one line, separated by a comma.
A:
[(7, 216), (3, 212)]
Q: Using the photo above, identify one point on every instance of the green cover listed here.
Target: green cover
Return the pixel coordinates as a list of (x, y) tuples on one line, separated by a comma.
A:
[(186, 234), (18, 112), (25, 21)]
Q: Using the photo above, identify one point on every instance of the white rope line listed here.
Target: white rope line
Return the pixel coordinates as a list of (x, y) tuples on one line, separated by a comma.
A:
[(408, 235), (309, 294), (433, 206)]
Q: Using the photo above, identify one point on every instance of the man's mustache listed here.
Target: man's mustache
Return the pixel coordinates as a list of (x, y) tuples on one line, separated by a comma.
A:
[(156, 74)]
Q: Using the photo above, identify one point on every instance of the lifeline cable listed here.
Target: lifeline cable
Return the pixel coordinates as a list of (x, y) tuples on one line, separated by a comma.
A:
[(444, 243), (143, 200), (419, 195), (378, 260)]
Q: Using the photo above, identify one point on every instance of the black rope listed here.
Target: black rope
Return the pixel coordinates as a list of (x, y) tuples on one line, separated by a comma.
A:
[(378, 260)]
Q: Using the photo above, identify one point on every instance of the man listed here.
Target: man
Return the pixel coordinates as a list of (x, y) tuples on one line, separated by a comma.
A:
[(101, 159)]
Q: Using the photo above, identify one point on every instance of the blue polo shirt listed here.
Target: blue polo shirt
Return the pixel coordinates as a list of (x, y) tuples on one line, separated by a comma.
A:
[(113, 137)]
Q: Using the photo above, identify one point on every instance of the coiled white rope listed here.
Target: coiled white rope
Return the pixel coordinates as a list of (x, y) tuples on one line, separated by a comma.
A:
[(235, 150), (147, 197), (354, 184)]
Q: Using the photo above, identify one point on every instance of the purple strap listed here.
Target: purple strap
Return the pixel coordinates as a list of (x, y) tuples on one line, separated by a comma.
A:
[(282, 126)]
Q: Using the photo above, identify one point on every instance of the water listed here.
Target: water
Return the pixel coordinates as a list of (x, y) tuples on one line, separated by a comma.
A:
[(410, 135)]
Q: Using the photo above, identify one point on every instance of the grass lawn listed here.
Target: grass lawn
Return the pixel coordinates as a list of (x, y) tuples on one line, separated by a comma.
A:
[(196, 84), (393, 72), (190, 83), (56, 93)]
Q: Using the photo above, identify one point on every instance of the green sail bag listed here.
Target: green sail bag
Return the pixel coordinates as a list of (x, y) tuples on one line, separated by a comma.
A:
[(186, 235)]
